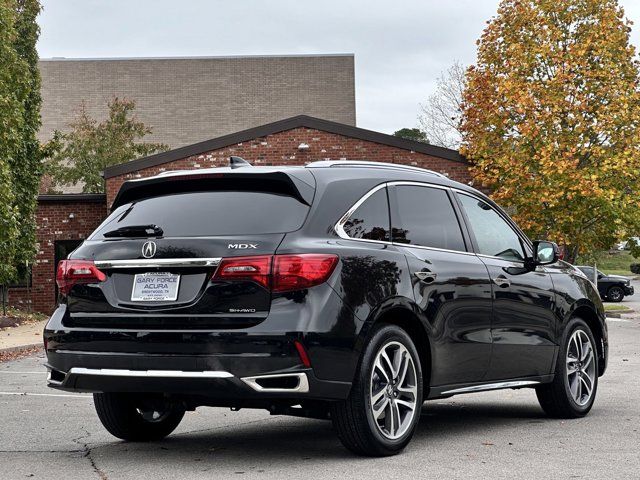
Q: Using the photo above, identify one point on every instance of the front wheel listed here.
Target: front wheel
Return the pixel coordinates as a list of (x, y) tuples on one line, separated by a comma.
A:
[(382, 411), (137, 418), (573, 390), (615, 294)]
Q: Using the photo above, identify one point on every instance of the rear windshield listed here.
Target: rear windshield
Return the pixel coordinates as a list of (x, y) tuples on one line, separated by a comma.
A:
[(198, 214)]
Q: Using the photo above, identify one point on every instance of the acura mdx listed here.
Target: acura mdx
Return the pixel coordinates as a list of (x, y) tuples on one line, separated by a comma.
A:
[(349, 291)]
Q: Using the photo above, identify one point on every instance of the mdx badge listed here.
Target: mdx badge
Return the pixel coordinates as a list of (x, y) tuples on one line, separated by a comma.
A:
[(149, 249), (241, 246)]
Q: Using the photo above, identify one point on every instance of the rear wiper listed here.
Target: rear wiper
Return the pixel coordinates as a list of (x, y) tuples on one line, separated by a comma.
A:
[(135, 231)]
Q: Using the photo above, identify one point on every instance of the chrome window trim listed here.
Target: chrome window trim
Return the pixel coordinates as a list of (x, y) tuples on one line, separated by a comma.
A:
[(339, 227), (519, 262), (159, 263), (421, 247), (113, 372)]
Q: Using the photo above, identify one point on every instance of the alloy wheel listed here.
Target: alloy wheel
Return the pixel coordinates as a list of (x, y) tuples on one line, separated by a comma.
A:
[(615, 294), (393, 390), (581, 367)]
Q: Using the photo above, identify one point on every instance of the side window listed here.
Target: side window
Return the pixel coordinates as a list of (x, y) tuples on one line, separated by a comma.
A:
[(494, 235), (424, 216), (370, 221), (588, 271)]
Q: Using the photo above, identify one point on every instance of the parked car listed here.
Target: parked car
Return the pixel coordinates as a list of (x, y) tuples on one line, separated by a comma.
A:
[(611, 287), (350, 291), (625, 245)]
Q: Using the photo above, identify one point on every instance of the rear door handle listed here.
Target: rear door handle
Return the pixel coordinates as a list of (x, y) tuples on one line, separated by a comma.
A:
[(426, 277), (502, 282)]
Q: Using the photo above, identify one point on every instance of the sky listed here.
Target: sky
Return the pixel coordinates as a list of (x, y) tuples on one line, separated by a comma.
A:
[(400, 46)]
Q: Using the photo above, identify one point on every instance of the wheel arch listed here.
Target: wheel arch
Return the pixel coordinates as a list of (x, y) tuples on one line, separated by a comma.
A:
[(590, 316), (403, 313)]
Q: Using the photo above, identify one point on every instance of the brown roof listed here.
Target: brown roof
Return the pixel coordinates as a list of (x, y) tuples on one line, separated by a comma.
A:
[(276, 127)]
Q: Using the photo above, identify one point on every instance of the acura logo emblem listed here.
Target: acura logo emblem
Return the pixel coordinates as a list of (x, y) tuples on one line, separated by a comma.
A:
[(149, 249)]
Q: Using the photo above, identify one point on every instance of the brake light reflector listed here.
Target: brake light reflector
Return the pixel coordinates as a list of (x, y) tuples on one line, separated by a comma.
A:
[(256, 269), (302, 352), (296, 272), (279, 273), (72, 272)]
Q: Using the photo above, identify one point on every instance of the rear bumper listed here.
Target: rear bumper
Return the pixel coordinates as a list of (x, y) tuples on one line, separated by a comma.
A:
[(224, 366), (218, 387)]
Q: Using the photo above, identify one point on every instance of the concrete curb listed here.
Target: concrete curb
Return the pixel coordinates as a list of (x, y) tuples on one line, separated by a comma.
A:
[(20, 348), (619, 313)]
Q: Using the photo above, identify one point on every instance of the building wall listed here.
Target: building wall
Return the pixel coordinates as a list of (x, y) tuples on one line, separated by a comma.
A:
[(187, 100), (282, 149), (53, 223)]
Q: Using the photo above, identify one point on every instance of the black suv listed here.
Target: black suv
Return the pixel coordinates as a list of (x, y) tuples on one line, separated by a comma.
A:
[(350, 291), (611, 287)]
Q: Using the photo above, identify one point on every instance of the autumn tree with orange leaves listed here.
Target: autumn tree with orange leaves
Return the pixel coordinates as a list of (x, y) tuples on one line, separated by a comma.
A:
[(551, 120)]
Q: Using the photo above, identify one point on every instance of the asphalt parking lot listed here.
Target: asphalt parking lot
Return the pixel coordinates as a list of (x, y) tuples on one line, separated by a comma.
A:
[(47, 434)]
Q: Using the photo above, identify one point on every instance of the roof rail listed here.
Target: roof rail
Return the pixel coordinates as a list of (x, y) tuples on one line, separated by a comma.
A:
[(364, 163)]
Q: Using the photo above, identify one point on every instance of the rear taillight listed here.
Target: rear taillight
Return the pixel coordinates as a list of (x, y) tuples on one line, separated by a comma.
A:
[(280, 273), (256, 269), (72, 272), (296, 272)]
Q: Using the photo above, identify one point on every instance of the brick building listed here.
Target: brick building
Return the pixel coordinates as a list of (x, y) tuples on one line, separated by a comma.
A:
[(64, 220), (190, 99)]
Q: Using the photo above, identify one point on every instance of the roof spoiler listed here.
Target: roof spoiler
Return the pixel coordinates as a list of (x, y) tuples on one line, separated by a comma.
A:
[(248, 179)]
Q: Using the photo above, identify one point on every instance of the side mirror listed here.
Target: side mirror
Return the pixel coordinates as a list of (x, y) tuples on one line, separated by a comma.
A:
[(544, 253)]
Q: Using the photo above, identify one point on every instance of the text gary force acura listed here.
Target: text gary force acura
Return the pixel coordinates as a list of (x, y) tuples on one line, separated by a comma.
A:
[(351, 291)]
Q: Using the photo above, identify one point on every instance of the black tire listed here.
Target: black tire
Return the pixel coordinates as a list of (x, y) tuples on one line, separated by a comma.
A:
[(556, 398), (615, 294), (120, 413), (353, 418)]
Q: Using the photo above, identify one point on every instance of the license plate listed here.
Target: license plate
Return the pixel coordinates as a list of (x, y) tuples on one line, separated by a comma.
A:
[(155, 287)]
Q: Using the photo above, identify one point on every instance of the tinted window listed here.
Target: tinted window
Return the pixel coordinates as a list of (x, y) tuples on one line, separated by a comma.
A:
[(424, 216), (494, 235), (588, 271), (371, 219), (211, 213)]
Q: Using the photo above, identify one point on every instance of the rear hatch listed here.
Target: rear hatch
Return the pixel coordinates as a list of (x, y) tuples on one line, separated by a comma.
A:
[(185, 251)]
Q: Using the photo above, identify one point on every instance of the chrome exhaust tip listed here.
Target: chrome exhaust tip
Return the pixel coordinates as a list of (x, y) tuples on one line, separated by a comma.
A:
[(279, 383)]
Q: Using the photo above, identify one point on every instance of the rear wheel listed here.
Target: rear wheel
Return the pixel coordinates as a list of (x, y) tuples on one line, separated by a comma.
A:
[(383, 408), (573, 390), (615, 294), (135, 417)]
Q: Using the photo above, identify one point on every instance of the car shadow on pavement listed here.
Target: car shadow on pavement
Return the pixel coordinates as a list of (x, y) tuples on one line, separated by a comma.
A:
[(442, 421), (276, 439)]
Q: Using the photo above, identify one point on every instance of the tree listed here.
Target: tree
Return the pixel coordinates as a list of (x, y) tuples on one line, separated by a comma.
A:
[(26, 165), (13, 79), (551, 120), (412, 134), (440, 116), (89, 147)]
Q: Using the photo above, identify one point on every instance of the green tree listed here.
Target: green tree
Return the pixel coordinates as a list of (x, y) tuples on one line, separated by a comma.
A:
[(551, 120), (26, 165), (13, 79), (89, 147), (412, 134)]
